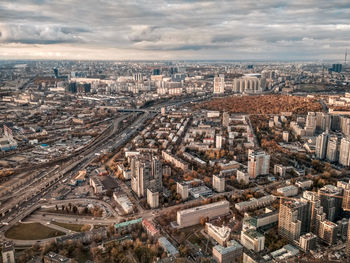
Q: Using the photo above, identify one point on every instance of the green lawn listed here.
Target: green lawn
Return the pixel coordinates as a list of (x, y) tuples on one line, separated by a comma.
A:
[(31, 231), (73, 227)]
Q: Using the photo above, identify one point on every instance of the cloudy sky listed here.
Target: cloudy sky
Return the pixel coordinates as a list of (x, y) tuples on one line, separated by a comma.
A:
[(174, 29)]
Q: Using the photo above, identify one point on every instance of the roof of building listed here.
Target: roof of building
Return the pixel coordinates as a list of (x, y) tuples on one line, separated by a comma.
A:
[(168, 246), (128, 223), (232, 245), (203, 207)]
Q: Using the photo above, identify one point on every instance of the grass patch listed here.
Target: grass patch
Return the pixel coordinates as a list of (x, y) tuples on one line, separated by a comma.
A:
[(73, 227), (31, 231)]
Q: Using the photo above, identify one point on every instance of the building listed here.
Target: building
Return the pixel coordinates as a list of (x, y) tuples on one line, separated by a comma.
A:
[(307, 242), (289, 190), (317, 215), (124, 202), (247, 84), (253, 240), (344, 152), (225, 119), (182, 190), (285, 136), (346, 195), (230, 254), (218, 141), (347, 249), (192, 216), (280, 170), (328, 232), (265, 220), (140, 175), (152, 198), (96, 183), (242, 177), (177, 162), (255, 203), (52, 257), (293, 219), (7, 142), (8, 252), (331, 205), (219, 84), (146, 172), (200, 191), (219, 183), (219, 234), (321, 145), (150, 228), (332, 148), (258, 164), (168, 247)]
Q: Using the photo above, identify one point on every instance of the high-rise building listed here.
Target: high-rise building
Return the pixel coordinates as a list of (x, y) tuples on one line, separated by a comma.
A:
[(248, 84), (219, 84), (182, 190), (323, 121), (328, 232), (55, 72), (332, 148), (218, 141), (8, 252), (315, 211), (307, 242), (346, 195), (258, 164), (225, 119), (157, 174), (293, 219), (331, 205), (152, 198), (321, 146), (140, 175), (337, 68), (219, 183), (347, 249), (344, 152)]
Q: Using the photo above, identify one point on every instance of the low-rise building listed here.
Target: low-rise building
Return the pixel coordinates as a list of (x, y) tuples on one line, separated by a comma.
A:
[(289, 190), (219, 234), (253, 240), (231, 253), (192, 216)]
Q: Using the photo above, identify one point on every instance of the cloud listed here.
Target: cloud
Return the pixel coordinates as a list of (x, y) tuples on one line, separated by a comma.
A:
[(207, 29), (39, 34)]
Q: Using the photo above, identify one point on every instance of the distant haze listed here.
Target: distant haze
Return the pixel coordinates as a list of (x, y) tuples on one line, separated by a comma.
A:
[(174, 29)]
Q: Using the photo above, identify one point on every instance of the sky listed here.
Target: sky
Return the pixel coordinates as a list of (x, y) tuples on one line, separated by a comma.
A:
[(175, 29)]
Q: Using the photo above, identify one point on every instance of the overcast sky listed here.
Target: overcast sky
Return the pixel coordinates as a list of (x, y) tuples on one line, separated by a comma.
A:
[(177, 29)]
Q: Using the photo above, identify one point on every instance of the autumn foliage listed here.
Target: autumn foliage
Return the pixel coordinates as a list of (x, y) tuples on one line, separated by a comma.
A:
[(264, 104)]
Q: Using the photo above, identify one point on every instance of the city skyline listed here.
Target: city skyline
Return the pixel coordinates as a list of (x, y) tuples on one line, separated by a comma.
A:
[(174, 30)]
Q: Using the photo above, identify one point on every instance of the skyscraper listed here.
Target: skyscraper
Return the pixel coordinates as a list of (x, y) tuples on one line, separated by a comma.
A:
[(331, 205), (140, 175), (344, 152), (293, 219), (332, 148), (321, 145)]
